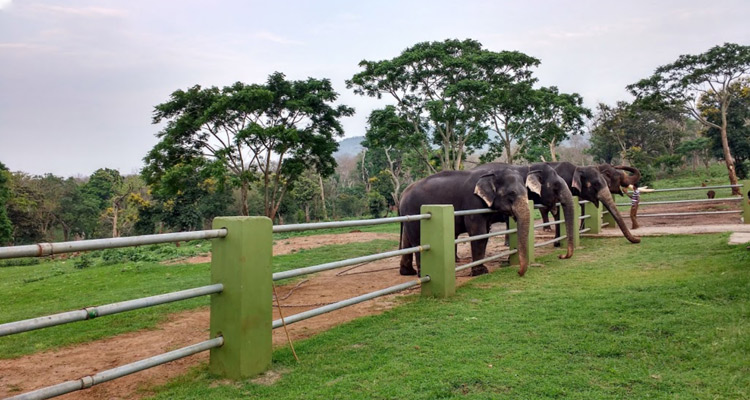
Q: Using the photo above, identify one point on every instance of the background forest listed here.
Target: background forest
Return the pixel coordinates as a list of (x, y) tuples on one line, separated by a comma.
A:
[(274, 148)]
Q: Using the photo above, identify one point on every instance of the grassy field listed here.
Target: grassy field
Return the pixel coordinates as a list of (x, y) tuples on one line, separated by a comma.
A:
[(618, 321), (50, 287)]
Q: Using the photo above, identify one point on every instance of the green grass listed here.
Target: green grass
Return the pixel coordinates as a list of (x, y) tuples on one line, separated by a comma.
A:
[(668, 319), (57, 286)]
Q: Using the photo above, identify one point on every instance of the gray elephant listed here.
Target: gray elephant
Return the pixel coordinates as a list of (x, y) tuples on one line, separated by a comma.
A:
[(503, 190), (548, 190), (589, 184)]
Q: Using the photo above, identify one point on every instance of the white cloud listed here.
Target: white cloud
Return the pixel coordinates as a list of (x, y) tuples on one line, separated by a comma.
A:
[(271, 37), (79, 11), (5, 3)]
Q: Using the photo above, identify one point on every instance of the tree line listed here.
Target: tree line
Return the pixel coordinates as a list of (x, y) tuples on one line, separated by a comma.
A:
[(267, 149)]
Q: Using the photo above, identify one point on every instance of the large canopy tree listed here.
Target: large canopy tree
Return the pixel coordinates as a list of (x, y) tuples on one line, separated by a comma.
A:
[(684, 81), (6, 228), (738, 124), (445, 87), (271, 132)]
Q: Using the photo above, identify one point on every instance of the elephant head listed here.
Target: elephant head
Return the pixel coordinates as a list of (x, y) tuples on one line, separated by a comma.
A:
[(617, 179), (591, 185), (505, 191)]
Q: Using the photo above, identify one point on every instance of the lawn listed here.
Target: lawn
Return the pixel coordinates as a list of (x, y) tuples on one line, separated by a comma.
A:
[(668, 318)]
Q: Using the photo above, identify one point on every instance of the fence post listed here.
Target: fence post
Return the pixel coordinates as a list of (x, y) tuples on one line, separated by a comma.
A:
[(746, 205), (575, 236), (439, 262), (595, 221), (513, 238), (608, 218), (241, 313)]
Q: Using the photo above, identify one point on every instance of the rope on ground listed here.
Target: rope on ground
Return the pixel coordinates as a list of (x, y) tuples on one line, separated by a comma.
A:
[(288, 338), (291, 291)]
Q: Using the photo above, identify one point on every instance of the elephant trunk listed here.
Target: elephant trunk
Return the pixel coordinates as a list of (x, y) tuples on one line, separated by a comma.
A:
[(606, 198), (523, 217), (568, 206), (633, 179)]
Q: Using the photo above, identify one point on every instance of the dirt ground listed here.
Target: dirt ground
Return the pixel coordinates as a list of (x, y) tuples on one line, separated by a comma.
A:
[(189, 327)]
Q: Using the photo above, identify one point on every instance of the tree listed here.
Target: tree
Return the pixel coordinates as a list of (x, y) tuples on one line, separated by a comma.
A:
[(441, 89), (737, 121), (278, 130), (6, 228), (684, 81), (304, 191)]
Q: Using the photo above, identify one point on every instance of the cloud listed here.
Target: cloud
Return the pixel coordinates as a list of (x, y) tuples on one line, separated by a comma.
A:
[(89, 12), (5, 3), (271, 37)]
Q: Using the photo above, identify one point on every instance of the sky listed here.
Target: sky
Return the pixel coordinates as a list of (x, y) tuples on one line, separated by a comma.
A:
[(79, 79)]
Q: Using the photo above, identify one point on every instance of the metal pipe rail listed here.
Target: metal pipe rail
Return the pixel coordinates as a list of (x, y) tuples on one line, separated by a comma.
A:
[(584, 230), (692, 188), (345, 263), (348, 302), (488, 259), (689, 213), (485, 236), (471, 212), (542, 225), (344, 224), (107, 309), (540, 244), (733, 198), (47, 249), (127, 369), (605, 224), (582, 217)]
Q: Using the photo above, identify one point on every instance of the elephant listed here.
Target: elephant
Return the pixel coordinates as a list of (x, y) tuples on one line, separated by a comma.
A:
[(503, 190), (550, 189), (589, 184)]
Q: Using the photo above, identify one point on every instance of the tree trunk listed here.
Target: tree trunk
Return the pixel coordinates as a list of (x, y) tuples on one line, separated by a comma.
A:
[(323, 198), (115, 210), (552, 151), (243, 198), (307, 212), (728, 159)]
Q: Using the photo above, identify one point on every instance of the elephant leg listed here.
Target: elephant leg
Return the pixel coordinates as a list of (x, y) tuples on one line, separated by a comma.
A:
[(545, 219), (406, 267), (478, 248)]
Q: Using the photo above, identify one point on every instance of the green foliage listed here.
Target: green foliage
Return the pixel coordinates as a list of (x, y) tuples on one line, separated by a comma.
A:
[(6, 228), (242, 127), (82, 262), (377, 204), (738, 129), (620, 324)]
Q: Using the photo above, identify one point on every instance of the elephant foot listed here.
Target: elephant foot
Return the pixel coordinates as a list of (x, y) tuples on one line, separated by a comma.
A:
[(479, 270), (557, 244), (408, 271)]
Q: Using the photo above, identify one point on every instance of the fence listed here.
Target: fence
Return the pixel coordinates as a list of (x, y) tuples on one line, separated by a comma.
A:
[(241, 311), (743, 199)]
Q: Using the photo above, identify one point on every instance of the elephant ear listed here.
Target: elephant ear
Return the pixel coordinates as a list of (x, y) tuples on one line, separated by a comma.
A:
[(533, 182), (577, 180), (485, 189)]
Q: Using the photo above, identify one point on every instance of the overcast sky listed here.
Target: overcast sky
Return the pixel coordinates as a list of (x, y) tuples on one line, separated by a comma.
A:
[(79, 79)]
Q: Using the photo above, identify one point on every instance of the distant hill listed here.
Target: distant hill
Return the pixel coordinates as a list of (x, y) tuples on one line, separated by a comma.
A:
[(349, 147)]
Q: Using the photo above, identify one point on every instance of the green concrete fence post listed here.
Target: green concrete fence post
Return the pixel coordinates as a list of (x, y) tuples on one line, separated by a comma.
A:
[(439, 262), (746, 204), (575, 236), (513, 240), (241, 313), (595, 221)]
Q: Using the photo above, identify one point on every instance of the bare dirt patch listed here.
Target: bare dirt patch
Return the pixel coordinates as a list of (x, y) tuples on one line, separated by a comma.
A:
[(189, 327)]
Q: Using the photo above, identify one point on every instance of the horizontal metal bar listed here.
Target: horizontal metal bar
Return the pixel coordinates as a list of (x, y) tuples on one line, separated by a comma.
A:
[(689, 213), (691, 188), (110, 374), (348, 302), (582, 217), (107, 309), (540, 244), (344, 224), (734, 198), (471, 212), (605, 224), (584, 230), (485, 236), (46, 249), (488, 259), (583, 202), (605, 212), (558, 222), (350, 261)]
